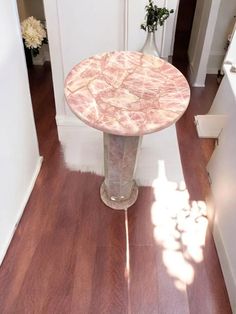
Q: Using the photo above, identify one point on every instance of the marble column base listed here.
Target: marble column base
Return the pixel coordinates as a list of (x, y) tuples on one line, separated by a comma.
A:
[(119, 190), (118, 204)]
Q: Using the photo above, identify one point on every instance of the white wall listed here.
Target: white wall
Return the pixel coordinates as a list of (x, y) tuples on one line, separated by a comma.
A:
[(19, 158), (223, 176), (22, 9), (195, 30), (222, 171), (223, 27), (231, 53), (77, 30), (201, 39), (35, 8), (89, 28), (27, 8)]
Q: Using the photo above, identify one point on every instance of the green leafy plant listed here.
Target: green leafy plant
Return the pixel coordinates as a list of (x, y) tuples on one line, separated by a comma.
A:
[(154, 16)]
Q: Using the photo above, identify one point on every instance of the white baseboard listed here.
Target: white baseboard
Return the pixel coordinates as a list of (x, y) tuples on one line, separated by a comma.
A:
[(64, 120), (192, 78), (215, 61), (198, 84), (22, 206), (213, 70), (230, 281)]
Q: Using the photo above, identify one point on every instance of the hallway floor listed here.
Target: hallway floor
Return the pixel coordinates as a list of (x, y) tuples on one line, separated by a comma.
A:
[(72, 254)]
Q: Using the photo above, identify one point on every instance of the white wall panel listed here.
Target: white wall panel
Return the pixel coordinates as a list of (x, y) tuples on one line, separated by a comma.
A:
[(204, 22), (231, 53), (224, 26), (19, 157), (89, 27), (223, 176), (136, 36)]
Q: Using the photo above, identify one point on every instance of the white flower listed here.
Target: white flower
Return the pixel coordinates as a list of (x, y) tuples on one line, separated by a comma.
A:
[(33, 32)]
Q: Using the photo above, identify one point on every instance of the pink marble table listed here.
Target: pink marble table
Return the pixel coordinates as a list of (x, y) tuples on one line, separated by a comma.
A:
[(126, 95)]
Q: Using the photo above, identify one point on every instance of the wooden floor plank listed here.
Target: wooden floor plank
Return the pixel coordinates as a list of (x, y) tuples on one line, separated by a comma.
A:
[(109, 289), (140, 220), (143, 289)]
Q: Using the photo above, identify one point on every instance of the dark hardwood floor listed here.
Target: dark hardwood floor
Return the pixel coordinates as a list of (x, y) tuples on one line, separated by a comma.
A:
[(72, 254)]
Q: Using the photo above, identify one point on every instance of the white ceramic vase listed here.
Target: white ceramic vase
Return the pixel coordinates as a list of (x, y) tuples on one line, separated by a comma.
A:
[(150, 46)]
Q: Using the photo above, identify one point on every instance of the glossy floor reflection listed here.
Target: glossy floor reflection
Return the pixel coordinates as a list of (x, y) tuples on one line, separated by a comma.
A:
[(83, 151)]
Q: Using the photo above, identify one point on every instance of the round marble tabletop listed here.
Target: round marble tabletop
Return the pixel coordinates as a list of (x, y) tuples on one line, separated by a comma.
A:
[(127, 93)]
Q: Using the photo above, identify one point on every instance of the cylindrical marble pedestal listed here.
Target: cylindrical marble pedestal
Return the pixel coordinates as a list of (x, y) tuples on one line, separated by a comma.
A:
[(129, 94), (119, 190)]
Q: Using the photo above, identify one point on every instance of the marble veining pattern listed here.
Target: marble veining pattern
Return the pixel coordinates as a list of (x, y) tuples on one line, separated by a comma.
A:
[(127, 93), (120, 154)]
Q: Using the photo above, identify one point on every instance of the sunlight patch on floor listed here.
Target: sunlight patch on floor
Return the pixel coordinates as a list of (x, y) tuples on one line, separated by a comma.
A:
[(179, 227)]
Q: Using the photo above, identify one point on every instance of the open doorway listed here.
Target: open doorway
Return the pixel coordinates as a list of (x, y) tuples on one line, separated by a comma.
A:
[(27, 8), (40, 77), (183, 31)]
